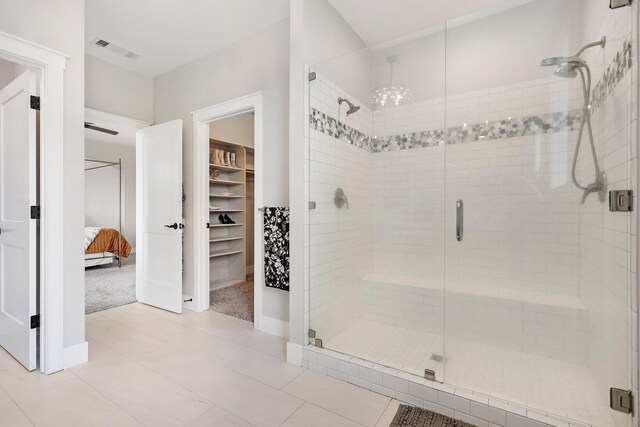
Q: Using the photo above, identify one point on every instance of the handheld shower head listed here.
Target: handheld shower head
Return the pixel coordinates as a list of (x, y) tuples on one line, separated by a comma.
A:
[(567, 66), (570, 67), (352, 107), (550, 62)]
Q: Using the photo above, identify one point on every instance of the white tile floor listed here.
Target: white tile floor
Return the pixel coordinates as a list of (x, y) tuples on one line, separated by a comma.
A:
[(150, 367), (564, 389)]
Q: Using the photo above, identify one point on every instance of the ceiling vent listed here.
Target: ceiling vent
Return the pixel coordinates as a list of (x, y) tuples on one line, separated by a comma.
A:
[(119, 50)]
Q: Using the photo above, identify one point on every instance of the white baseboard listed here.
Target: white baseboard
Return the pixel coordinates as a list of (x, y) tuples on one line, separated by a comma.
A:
[(274, 326), (76, 355), (294, 353)]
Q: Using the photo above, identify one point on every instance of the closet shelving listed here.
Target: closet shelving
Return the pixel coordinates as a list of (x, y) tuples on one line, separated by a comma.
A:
[(227, 242), (225, 182)]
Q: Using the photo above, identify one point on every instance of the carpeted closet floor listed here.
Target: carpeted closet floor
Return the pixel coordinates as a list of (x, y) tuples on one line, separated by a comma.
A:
[(236, 300), (108, 286)]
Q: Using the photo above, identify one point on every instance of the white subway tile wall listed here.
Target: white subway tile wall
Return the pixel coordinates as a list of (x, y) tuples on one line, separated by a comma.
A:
[(340, 240), (608, 240)]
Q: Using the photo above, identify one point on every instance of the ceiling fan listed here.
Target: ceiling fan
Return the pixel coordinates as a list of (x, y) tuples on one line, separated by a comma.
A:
[(88, 125)]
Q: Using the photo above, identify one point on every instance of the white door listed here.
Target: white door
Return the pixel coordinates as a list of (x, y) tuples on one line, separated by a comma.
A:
[(159, 216), (18, 249)]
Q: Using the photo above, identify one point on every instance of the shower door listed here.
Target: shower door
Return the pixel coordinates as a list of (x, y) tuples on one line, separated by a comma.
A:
[(376, 222), (536, 281)]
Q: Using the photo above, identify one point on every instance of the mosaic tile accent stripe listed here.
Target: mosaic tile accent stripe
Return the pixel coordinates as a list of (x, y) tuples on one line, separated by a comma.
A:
[(521, 126), (329, 126), (408, 141), (621, 64), (500, 129)]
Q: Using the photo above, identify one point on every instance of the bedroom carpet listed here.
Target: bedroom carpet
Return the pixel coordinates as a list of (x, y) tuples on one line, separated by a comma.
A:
[(109, 286), (236, 300)]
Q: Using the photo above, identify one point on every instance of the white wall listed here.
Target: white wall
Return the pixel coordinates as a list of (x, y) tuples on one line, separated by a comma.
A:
[(101, 188), (116, 90), (237, 129), (535, 30), (59, 24), (257, 63), (333, 48), (7, 72)]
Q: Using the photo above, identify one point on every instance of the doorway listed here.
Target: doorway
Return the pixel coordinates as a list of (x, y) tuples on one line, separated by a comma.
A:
[(239, 121), (110, 210), (37, 299), (232, 186)]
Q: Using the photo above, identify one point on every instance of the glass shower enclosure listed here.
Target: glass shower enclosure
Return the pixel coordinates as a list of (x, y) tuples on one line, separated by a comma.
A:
[(461, 229)]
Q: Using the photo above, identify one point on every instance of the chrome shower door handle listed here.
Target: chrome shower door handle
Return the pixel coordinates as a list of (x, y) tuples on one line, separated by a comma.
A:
[(459, 220)]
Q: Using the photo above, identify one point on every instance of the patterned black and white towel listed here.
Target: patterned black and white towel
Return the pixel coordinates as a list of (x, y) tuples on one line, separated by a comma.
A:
[(276, 248)]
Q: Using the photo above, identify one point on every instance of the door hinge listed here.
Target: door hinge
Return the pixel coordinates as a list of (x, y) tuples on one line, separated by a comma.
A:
[(312, 76), (35, 212), (312, 205), (430, 374), (621, 400), (614, 4), (35, 321), (621, 200), (35, 102)]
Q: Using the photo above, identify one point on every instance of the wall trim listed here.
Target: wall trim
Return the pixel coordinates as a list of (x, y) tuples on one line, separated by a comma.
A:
[(294, 353), (76, 355), (274, 326), (51, 65)]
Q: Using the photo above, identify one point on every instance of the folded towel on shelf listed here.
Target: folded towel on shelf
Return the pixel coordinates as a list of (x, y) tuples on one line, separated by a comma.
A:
[(276, 247)]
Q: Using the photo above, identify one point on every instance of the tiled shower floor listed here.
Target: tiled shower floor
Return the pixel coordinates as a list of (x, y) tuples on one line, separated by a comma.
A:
[(540, 383)]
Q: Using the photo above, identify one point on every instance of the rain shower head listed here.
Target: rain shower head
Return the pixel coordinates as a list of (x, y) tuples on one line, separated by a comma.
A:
[(352, 107)]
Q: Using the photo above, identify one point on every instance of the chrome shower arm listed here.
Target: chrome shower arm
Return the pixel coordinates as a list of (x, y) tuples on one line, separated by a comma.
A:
[(602, 42)]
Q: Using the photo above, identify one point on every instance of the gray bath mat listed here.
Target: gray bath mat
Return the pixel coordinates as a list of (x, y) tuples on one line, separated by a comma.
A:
[(410, 416)]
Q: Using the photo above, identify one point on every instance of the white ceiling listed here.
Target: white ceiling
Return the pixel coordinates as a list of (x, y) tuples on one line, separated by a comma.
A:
[(381, 21), (170, 33)]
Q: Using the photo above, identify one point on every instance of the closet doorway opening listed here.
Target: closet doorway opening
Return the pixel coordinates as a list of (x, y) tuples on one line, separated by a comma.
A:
[(228, 168), (110, 210), (231, 204)]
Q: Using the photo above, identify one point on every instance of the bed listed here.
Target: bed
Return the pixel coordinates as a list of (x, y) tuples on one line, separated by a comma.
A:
[(104, 246)]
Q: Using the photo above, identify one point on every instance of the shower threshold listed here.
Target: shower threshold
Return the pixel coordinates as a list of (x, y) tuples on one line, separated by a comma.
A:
[(529, 384)]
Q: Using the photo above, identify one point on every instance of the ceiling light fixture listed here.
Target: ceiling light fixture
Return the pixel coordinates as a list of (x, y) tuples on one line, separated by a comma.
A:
[(390, 95)]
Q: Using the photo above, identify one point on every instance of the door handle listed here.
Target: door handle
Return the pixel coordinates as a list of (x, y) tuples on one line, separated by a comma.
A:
[(459, 220), (174, 226)]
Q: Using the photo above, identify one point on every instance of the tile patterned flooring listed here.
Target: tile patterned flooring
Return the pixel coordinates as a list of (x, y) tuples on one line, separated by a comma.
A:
[(149, 367)]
